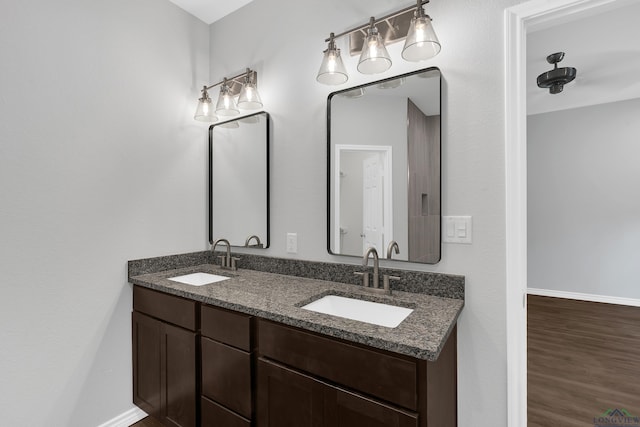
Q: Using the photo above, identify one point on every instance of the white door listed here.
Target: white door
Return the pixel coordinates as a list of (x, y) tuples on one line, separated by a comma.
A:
[(373, 202)]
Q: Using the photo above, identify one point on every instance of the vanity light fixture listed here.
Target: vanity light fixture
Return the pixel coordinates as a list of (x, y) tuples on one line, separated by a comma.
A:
[(374, 58), (332, 71), (204, 111), (243, 87), (249, 98), (421, 42), (410, 24), (226, 105)]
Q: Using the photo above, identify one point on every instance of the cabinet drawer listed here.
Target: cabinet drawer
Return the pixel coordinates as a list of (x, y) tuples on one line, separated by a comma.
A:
[(226, 376), (226, 326), (214, 415), (376, 373), (170, 308)]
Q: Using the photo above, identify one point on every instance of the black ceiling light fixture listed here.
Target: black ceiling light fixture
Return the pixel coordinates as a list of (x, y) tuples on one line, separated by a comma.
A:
[(555, 79)]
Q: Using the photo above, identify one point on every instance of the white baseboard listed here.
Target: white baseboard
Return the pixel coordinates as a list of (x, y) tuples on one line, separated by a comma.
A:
[(125, 419), (584, 297)]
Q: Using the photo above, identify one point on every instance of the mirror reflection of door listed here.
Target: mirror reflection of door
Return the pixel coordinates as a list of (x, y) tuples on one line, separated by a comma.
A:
[(365, 194), (373, 202)]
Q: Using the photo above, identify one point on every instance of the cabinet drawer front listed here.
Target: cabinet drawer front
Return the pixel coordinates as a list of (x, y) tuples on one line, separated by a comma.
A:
[(344, 408), (226, 376), (226, 326), (376, 373), (170, 308), (214, 415)]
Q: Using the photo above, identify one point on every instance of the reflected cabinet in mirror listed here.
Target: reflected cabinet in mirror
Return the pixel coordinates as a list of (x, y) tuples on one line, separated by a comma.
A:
[(384, 168), (239, 181)]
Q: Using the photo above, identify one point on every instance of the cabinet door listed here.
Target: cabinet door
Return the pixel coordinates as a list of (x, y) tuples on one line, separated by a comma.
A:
[(345, 409), (178, 349), (287, 398), (146, 334), (164, 371)]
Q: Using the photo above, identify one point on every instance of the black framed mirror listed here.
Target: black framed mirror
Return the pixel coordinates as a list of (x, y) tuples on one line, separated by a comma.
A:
[(383, 167), (239, 181)]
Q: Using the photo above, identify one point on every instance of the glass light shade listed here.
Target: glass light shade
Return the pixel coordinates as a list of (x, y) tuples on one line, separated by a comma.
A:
[(226, 105), (232, 124), (249, 97), (250, 120), (391, 84), (332, 70), (204, 111), (422, 42), (374, 58)]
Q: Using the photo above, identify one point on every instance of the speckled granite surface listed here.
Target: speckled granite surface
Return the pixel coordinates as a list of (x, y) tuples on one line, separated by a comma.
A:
[(279, 297), (442, 285)]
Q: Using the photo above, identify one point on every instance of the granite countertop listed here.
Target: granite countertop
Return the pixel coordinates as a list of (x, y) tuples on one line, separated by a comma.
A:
[(278, 297)]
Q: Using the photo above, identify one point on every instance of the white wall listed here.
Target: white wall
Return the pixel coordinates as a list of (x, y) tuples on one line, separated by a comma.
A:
[(584, 200), (100, 162), (283, 40)]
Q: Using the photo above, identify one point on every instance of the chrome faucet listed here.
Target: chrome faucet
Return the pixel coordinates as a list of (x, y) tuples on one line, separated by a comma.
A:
[(226, 261), (386, 278), (392, 245), (258, 244), (365, 262)]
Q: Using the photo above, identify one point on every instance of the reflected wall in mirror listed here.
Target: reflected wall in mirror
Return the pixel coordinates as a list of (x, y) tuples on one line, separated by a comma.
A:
[(239, 181), (384, 167)]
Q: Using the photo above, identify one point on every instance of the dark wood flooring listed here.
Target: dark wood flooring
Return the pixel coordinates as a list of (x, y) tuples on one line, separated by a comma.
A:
[(583, 360)]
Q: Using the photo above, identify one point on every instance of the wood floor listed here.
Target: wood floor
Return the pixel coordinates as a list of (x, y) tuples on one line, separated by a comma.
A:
[(583, 359)]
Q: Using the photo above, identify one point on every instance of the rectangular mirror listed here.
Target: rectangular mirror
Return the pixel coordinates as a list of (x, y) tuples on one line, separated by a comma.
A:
[(383, 169), (239, 181)]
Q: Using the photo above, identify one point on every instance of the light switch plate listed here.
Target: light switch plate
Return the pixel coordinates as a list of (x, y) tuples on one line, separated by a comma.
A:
[(457, 229)]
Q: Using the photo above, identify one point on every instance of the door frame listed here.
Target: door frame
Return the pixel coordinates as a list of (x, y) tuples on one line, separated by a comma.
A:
[(517, 20), (387, 150)]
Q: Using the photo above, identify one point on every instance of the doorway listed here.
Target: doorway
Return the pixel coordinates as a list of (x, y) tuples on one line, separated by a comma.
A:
[(518, 20)]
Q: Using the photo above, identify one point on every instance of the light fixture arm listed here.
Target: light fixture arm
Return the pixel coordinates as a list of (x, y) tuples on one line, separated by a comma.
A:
[(373, 21), (419, 9), (239, 79)]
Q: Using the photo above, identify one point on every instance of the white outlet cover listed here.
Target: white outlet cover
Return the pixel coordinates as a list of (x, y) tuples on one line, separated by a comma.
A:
[(292, 243)]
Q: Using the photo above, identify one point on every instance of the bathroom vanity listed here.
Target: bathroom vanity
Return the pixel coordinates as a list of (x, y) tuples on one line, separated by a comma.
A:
[(243, 352)]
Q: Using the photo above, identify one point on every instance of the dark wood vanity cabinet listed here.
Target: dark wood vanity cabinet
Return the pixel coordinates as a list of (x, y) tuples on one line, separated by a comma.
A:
[(198, 365), (164, 357), (307, 379), (227, 368)]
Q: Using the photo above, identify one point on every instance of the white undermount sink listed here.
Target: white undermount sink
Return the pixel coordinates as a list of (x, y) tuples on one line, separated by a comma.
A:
[(364, 311), (198, 279)]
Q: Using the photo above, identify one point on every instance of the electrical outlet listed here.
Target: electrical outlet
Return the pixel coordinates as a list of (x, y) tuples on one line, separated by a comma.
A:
[(292, 243)]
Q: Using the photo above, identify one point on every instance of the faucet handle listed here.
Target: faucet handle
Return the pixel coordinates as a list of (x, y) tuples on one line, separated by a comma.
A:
[(386, 278), (223, 261), (234, 263), (365, 277)]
